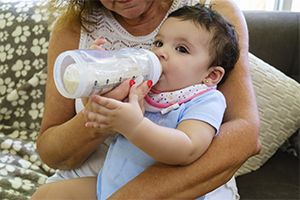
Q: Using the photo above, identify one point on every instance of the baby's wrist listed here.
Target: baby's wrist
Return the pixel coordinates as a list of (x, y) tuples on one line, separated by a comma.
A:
[(138, 129), (132, 130)]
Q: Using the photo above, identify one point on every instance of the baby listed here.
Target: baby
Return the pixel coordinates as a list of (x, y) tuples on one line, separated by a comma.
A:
[(184, 111)]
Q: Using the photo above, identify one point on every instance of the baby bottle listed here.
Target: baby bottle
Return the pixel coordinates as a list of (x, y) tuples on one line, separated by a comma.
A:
[(81, 73)]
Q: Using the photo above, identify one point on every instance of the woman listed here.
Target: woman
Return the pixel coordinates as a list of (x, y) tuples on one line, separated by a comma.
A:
[(65, 143)]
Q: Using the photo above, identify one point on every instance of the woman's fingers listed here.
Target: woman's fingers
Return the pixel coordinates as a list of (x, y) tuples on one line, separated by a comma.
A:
[(98, 43), (140, 91), (96, 47), (120, 92)]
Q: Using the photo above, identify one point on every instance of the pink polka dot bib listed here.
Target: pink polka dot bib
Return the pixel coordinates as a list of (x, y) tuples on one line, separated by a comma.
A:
[(164, 102)]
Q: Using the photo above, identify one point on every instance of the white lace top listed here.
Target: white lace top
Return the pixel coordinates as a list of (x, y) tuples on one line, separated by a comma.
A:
[(117, 37)]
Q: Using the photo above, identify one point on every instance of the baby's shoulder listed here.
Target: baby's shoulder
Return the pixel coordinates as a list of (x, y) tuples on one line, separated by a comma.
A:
[(211, 95)]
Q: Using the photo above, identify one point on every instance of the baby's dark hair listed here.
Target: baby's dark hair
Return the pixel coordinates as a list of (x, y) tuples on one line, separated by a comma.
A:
[(224, 46)]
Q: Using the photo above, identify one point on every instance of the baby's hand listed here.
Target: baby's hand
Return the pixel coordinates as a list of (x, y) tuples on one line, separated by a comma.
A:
[(112, 114), (140, 90), (123, 117)]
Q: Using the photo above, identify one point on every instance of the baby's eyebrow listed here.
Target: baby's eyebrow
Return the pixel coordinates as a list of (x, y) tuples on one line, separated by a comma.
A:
[(184, 40)]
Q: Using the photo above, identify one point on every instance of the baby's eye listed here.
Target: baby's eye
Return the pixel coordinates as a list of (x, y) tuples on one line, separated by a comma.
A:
[(182, 49), (158, 43)]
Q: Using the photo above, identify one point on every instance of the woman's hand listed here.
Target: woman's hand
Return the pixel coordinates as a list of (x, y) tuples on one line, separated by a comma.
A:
[(119, 93), (98, 43)]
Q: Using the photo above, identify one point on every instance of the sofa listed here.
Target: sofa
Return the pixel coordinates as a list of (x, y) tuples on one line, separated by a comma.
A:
[(275, 38), (274, 65)]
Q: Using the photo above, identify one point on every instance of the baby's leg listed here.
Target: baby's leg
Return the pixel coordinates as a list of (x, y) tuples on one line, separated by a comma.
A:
[(78, 188)]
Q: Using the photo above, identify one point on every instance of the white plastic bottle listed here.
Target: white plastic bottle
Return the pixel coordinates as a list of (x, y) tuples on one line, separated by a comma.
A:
[(80, 73)]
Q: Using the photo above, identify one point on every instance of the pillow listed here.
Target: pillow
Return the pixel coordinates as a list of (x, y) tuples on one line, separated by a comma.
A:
[(278, 99)]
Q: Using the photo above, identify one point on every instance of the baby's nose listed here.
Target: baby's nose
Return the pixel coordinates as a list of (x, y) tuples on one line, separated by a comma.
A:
[(161, 53)]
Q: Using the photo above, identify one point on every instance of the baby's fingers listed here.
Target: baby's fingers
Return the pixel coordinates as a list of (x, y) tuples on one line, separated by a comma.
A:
[(96, 125), (107, 103), (95, 119)]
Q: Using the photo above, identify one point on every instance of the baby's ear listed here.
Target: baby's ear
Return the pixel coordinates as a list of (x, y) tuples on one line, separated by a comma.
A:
[(215, 75)]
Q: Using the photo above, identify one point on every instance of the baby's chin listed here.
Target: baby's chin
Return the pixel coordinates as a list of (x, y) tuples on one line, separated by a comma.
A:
[(157, 87), (161, 88)]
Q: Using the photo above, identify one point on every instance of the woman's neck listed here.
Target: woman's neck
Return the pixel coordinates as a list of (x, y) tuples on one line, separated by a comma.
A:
[(148, 21)]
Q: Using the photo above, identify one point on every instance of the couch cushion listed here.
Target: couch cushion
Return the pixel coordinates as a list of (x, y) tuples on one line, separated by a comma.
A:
[(23, 52), (278, 99)]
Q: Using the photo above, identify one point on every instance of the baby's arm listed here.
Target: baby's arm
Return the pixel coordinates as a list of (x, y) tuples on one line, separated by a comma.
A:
[(171, 146), (179, 146)]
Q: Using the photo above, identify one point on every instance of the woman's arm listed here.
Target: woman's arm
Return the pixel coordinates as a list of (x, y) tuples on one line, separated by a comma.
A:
[(237, 141), (62, 131), (64, 142)]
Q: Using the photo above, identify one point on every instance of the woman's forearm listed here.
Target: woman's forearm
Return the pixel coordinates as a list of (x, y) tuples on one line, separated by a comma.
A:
[(68, 145), (63, 141)]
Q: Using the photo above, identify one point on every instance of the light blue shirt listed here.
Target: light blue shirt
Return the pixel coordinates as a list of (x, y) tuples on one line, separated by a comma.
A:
[(124, 161)]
